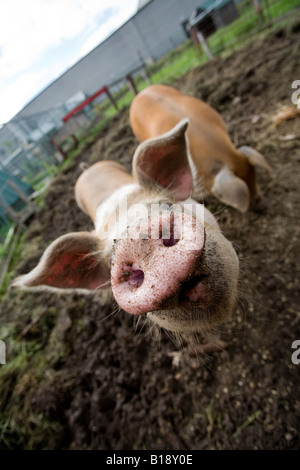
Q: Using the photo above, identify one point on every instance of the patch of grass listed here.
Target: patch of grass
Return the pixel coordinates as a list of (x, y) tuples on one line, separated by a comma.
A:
[(179, 62), (34, 348), (281, 7), (4, 251), (20, 426), (187, 56), (229, 36), (3, 232)]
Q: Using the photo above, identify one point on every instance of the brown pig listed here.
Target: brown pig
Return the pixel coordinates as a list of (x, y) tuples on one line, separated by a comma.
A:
[(217, 166), (162, 253)]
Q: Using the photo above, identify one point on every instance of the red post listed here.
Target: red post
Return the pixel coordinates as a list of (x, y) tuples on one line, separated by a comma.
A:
[(194, 36)]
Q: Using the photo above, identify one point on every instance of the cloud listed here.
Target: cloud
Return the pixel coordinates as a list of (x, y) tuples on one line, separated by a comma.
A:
[(28, 29), (61, 30), (18, 92)]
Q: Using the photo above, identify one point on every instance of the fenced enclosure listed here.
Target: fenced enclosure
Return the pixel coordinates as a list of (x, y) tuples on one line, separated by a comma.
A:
[(28, 147), (224, 25), (79, 372)]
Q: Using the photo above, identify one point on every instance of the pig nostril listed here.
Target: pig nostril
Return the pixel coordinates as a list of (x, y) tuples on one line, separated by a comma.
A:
[(133, 275), (193, 290), (136, 278)]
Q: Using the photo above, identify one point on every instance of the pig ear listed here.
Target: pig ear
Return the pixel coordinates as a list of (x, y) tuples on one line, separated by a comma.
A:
[(231, 190), (164, 160), (256, 159), (70, 262)]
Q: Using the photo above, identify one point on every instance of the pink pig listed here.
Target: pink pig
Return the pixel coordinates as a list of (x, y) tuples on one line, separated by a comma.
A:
[(162, 253)]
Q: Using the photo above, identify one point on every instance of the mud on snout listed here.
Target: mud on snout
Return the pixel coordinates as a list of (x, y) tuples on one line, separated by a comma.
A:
[(183, 286), (215, 279)]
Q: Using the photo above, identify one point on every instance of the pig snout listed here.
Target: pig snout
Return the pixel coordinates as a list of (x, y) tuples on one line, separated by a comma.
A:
[(155, 261)]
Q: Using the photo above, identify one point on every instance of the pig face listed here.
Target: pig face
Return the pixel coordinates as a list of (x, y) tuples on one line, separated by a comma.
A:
[(162, 253), (183, 283)]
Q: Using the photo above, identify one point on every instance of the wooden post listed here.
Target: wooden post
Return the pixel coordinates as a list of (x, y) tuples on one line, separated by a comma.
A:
[(75, 140), (268, 13), (111, 98), (131, 84), (21, 194), (204, 44), (258, 8), (59, 148), (11, 213), (193, 34), (146, 76)]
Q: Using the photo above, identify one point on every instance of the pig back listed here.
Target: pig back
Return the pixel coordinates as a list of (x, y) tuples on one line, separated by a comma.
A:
[(97, 183)]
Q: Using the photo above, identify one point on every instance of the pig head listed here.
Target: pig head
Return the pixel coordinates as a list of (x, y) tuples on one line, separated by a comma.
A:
[(162, 253), (217, 166)]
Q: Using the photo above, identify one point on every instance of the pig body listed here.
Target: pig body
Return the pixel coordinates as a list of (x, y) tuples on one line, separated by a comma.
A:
[(162, 253), (218, 167)]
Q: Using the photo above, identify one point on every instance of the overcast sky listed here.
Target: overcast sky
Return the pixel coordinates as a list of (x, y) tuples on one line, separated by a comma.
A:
[(40, 39)]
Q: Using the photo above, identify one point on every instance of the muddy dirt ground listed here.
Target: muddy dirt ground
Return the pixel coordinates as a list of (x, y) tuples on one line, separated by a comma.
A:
[(80, 376)]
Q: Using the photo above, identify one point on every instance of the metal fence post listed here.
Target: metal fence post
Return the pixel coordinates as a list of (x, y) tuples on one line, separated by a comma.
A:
[(11, 213), (131, 84), (21, 194), (204, 44)]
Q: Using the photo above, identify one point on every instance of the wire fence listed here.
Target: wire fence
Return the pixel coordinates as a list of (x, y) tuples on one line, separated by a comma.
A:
[(224, 26), (254, 17), (209, 32)]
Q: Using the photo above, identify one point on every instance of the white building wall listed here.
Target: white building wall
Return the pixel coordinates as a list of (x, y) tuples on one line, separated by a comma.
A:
[(152, 32)]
